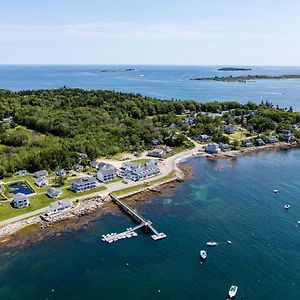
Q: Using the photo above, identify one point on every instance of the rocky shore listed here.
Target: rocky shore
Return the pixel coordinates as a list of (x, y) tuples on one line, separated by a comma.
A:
[(39, 227)]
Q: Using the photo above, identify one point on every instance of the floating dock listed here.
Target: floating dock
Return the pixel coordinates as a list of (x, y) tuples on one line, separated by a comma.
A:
[(130, 232)]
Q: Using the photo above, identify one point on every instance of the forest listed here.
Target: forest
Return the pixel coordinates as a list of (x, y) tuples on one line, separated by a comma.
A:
[(50, 128)]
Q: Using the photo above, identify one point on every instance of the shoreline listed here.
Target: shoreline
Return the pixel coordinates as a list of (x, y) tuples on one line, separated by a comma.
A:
[(36, 228)]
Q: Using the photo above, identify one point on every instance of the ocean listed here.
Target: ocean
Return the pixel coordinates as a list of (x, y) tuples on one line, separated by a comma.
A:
[(165, 82), (224, 200)]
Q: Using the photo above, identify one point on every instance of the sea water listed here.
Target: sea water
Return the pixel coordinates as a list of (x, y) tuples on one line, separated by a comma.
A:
[(223, 200)]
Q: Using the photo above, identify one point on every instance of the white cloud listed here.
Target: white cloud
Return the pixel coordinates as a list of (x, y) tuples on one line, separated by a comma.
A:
[(199, 42)]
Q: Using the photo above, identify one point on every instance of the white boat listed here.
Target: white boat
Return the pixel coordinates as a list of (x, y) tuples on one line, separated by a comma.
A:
[(211, 244), (232, 291), (287, 206), (228, 242), (275, 191), (203, 254)]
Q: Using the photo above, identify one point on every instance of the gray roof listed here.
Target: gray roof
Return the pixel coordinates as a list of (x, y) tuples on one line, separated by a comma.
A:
[(40, 179), (84, 180), (19, 197), (61, 204), (41, 173), (53, 191), (107, 172)]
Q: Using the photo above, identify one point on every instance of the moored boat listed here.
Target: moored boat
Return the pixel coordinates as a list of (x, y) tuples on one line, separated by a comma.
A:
[(203, 254), (275, 191), (287, 206), (229, 242), (211, 244), (232, 291)]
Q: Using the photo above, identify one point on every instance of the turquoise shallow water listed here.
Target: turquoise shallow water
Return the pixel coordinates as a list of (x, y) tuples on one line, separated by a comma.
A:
[(235, 203), (163, 82)]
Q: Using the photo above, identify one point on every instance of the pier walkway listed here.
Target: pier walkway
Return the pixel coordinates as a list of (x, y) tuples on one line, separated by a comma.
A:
[(130, 232)]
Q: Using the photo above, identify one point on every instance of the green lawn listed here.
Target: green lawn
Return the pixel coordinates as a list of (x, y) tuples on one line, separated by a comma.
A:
[(39, 201), (36, 202), (140, 161), (130, 189), (67, 193)]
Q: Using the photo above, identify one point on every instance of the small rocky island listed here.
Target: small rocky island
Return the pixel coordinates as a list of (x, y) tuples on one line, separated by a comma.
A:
[(247, 78), (234, 69), (116, 70)]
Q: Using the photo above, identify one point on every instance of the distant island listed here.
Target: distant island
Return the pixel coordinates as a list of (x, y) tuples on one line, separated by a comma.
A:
[(118, 70), (247, 78), (234, 69)]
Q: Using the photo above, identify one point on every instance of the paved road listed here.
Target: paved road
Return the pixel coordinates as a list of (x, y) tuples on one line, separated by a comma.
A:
[(166, 166)]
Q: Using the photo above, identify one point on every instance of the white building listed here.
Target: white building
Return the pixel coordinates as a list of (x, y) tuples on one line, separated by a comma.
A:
[(83, 184), (20, 200), (136, 171), (59, 206), (41, 181), (106, 172), (212, 149), (53, 192)]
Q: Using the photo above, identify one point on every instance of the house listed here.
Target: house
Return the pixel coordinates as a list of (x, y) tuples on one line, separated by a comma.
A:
[(78, 167), (212, 149), (157, 152), (9, 120), (286, 135), (41, 181), (259, 142), (39, 174), (59, 206), (251, 115), (188, 120), (224, 147), (136, 171), (155, 142), (187, 111), (93, 164), (204, 138), (247, 143), (60, 172), (20, 200), (295, 127), (106, 172), (53, 192), (173, 126), (229, 129), (21, 173), (83, 184), (271, 139)]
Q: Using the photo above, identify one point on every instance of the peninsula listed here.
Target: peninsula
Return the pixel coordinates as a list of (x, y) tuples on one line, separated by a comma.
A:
[(234, 69), (246, 78), (68, 149)]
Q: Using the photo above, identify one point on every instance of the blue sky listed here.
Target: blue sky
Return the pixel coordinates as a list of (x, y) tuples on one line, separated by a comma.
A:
[(202, 32)]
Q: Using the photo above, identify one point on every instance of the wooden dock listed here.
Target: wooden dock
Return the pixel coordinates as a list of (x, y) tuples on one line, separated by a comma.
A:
[(130, 232)]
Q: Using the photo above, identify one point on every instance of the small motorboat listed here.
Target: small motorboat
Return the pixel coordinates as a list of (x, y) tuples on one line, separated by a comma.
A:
[(298, 222), (275, 191), (232, 291), (229, 242), (203, 254), (287, 206), (211, 244)]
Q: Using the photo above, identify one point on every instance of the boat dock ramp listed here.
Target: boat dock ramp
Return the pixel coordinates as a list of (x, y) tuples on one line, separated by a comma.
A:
[(130, 232)]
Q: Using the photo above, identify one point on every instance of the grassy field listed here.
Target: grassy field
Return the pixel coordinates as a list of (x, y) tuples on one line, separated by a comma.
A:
[(140, 161), (39, 201), (239, 135)]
